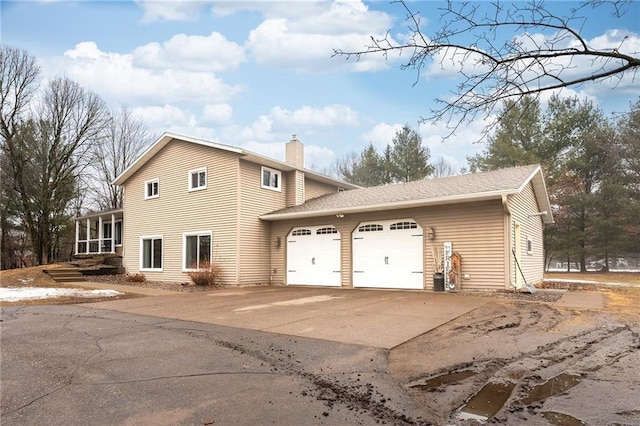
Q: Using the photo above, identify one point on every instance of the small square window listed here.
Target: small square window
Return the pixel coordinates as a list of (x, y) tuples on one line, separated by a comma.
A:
[(271, 179), (152, 188), (198, 179)]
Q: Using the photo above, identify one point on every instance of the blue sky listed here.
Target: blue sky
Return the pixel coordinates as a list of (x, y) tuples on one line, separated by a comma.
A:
[(251, 74)]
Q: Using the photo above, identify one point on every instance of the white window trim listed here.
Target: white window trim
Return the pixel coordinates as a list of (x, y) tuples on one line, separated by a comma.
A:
[(146, 182), (278, 172), (206, 178), (184, 247), (150, 237)]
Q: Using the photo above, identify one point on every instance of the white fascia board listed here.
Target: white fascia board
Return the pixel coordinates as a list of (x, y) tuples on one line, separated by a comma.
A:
[(483, 196), (540, 191)]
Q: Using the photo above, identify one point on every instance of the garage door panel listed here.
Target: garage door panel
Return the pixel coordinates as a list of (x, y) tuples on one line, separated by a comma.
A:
[(313, 256), (388, 254)]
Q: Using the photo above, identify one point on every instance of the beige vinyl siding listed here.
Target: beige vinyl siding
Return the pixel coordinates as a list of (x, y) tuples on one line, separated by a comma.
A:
[(475, 230), (294, 187), (522, 206), (289, 187), (314, 189), (254, 237), (177, 210)]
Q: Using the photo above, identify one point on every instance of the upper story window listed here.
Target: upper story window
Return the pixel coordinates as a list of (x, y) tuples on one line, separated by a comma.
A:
[(271, 179), (151, 188), (198, 179)]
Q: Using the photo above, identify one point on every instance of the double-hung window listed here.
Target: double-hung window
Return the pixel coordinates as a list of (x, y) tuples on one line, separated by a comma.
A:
[(271, 179), (198, 179), (151, 253), (196, 250), (151, 188)]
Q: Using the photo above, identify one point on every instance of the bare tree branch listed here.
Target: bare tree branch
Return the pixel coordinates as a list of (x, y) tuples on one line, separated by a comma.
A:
[(543, 51)]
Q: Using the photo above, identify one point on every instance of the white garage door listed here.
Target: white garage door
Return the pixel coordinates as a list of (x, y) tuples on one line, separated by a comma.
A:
[(388, 254), (313, 256)]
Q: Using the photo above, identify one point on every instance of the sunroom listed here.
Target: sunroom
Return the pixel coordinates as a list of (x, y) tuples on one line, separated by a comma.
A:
[(99, 233)]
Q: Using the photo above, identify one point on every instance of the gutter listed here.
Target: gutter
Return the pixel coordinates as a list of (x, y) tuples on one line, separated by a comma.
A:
[(492, 195)]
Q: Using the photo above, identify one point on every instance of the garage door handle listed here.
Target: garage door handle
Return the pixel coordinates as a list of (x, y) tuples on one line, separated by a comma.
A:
[(313, 260), (386, 260)]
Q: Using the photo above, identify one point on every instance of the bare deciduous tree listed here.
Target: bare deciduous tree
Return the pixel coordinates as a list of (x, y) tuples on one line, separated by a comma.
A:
[(542, 51), (442, 168), (126, 138), (48, 152), (19, 79)]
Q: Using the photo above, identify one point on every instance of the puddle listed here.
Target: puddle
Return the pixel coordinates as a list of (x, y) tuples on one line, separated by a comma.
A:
[(487, 402), (553, 386), (561, 419), (444, 379)]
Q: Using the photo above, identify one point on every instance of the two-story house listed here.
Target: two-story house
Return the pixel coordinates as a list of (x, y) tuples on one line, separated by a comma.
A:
[(264, 221)]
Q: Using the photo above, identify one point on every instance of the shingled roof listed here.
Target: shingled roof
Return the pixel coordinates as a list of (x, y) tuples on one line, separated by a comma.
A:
[(446, 190)]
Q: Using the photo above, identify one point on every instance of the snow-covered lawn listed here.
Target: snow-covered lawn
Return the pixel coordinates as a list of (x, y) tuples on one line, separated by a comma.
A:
[(16, 294)]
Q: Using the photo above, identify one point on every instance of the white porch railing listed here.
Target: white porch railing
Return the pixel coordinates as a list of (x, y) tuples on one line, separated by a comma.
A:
[(95, 246)]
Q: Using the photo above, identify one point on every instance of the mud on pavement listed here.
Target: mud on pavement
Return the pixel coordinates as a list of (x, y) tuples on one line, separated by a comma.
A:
[(511, 362)]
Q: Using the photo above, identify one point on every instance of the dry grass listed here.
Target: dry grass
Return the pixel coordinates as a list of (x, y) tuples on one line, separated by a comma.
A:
[(29, 277), (601, 277), (622, 301), (34, 277)]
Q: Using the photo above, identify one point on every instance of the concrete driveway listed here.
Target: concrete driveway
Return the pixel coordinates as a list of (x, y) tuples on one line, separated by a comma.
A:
[(376, 318)]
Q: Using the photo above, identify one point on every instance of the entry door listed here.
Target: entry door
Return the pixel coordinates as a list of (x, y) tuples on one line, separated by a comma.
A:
[(313, 256), (388, 254)]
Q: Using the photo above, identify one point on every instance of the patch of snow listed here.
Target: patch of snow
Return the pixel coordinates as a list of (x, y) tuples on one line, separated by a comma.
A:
[(16, 294)]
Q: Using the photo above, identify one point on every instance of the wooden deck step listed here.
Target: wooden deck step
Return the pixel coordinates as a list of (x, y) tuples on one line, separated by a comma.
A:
[(65, 275)]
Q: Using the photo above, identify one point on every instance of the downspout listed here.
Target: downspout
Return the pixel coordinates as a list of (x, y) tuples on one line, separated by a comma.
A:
[(510, 285)]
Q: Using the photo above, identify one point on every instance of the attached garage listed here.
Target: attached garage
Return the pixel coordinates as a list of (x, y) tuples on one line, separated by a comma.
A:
[(398, 236), (313, 256), (388, 254)]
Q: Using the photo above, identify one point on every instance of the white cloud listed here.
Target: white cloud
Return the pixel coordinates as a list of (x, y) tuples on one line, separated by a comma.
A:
[(213, 53), (170, 10), (328, 116), (164, 117), (457, 147), (115, 77), (217, 114), (381, 135), (308, 42)]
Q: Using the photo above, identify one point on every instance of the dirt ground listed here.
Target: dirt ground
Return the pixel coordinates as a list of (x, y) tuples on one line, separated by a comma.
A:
[(513, 362)]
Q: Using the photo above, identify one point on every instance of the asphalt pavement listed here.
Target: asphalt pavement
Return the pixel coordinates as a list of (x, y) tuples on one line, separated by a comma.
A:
[(77, 365)]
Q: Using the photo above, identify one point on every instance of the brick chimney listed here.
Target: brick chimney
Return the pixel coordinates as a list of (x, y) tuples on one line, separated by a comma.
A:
[(295, 152)]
